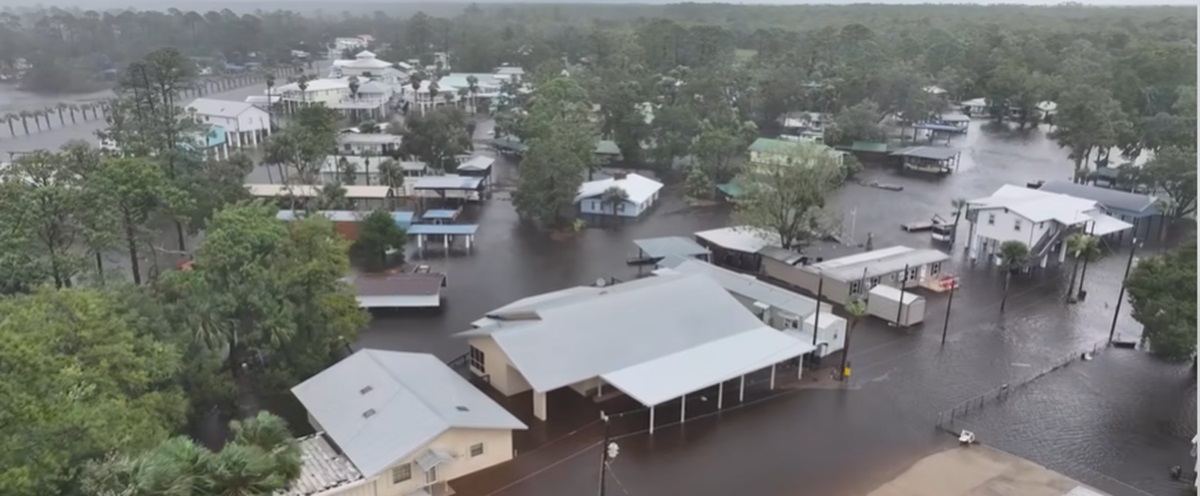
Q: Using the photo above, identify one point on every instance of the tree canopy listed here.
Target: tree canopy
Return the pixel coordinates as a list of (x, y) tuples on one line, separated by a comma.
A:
[(1162, 292)]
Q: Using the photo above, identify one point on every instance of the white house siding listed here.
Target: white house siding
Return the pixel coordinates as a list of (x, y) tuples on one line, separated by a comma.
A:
[(497, 448), (596, 206), (498, 368), (989, 234)]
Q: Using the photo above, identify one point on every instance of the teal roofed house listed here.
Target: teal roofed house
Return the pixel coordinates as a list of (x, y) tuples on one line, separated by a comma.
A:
[(211, 141)]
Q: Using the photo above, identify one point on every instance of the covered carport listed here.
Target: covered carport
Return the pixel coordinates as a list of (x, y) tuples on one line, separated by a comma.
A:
[(677, 375)]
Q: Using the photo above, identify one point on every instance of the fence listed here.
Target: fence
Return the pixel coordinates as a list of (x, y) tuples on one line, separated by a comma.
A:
[(946, 418)]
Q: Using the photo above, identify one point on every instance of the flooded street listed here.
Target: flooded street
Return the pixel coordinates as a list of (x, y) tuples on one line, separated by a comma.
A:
[(1123, 417)]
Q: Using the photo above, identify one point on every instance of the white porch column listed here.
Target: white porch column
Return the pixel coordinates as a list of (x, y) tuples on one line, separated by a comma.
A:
[(599, 385), (421, 242), (772, 377), (254, 138), (742, 391), (972, 242), (652, 420), (720, 395), (539, 405), (800, 367), (682, 408), (446, 243), (1062, 253)]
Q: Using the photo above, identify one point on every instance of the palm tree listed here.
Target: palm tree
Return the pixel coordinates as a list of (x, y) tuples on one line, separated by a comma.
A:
[(37, 118), (71, 109), (9, 118), (856, 309), (354, 87), (473, 89), (270, 104), (60, 108), (1084, 248), (303, 85), (611, 198), (347, 172), (1013, 256), (462, 96), (960, 206), (392, 175), (25, 114)]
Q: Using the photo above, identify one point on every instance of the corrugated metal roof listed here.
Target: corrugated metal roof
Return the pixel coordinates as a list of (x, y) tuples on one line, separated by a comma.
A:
[(219, 108), (639, 188), (417, 284), (322, 468), (877, 263), (929, 152), (750, 288), (1037, 206), (443, 229), (745, 239), (671, 376), (1114, 199), (381, 406), (573, 338), (477, 163), (448, 182), (670, 245)]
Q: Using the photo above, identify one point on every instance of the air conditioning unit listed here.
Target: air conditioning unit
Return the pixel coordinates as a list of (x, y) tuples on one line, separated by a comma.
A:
[(762, 311), (791, 322)]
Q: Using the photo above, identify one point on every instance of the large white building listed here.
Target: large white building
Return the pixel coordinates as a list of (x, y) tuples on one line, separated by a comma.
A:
[(1040, 219), (245, 124), (396, 424), (655, 340)]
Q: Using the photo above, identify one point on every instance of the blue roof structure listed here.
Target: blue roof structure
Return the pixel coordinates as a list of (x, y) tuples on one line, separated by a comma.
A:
[(403, 219), (439, 214), (443, 229)]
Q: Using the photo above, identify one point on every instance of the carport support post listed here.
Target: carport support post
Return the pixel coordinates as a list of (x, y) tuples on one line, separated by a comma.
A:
[(652, 420), (539, 405), (772, 377), (900, 304), (816, 316), (742, 391), (720, 395), (682, 408)]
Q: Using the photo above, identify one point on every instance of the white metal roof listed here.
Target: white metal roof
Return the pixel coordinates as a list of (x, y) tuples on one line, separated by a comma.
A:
[(315, 85), (272, 190), (576, 338), (449, 181), (1039, 206), (333, 215), (219, 108), (369, 138), (321, 469), (975, 102), (543, 301), (745, 239), (670, 245), (877, 262), (1105, 224), (477, 163), (671, 376), (639, 188), (747, 287), (381, 406), (357, 192)]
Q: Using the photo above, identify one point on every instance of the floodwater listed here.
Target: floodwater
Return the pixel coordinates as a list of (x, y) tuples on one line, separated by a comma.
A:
[(1103, 412)]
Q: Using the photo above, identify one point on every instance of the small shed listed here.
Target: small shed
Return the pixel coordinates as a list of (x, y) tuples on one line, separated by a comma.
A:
[(737, 247), (900, 308), (405, 290), (831, 337)]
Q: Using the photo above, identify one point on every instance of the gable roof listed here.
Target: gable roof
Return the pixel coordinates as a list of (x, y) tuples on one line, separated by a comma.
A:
[(1111, 198), (639, 188), (381, 406), (579, 336), (1038, 206), (746, 286), (219, 108)]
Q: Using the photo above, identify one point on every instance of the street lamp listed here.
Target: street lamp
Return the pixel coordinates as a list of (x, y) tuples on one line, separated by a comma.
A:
[(1121, 296)]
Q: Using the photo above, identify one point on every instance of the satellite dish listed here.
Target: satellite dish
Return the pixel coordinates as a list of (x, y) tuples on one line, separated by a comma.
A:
[(601, 282)]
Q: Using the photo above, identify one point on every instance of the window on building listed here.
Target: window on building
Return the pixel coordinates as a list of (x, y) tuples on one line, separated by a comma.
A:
[(991, 219), (912, 273), (855, 287), (935, 268), (476, 450), (1041, 225), (1017, 225), (431, 475), (401, 473), (621, 207), (476, 358), (873, 282)]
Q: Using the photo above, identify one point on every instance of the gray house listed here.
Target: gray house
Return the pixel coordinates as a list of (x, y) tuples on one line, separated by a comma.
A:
[(844, 278)]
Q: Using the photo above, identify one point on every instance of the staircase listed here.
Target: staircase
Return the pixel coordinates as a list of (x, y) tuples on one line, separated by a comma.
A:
[(1043, 246)]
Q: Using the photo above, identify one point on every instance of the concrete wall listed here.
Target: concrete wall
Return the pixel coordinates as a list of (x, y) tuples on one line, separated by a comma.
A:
[(497, 448), (498, 368)]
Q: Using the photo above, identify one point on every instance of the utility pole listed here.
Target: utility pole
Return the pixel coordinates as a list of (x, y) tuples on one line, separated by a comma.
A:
[(1121, 296), (1081, 294), (609, 452), (817, 315), (950, 302)]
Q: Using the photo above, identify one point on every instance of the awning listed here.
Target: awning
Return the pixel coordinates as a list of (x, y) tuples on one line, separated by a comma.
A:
[(432, 458), (1104, 224), (672, 376)]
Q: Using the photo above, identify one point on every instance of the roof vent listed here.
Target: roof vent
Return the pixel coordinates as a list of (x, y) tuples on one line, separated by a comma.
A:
[(365, 390), (462, 408), (369, 413)]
